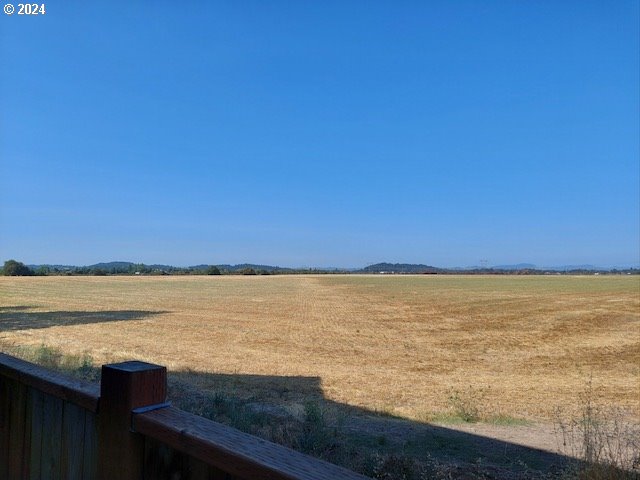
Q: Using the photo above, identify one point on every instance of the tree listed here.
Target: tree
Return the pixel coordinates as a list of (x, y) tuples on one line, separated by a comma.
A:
[(42, 271), (213, 270), (12, 268)]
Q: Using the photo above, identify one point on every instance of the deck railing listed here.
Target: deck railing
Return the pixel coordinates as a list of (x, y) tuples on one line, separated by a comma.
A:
[(55, 427)]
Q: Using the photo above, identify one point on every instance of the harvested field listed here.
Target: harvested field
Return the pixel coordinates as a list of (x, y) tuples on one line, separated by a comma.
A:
[(510, 347)]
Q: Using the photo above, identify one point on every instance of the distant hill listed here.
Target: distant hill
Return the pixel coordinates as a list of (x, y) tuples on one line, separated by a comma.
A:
[(125, 266), (401, 268), (518, 266), (110, 265)]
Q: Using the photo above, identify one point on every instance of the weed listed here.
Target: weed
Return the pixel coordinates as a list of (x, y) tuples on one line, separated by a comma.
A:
[(393, 467), (404, 467), (87, 370), (466, 405), (605, 443), (471, 406), (47, 356), (316, 437), (79, 366)]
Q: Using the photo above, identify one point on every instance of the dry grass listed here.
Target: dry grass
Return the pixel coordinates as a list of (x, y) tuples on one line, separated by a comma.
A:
[(399, 345), (605, 442)]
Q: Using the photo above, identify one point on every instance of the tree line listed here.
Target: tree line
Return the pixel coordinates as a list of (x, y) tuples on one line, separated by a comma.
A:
[(15, 268)]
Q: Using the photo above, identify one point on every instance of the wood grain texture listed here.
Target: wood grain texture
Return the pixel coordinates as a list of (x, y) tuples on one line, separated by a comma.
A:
[(90, 457), (5, 409), (37, 421), (50, 463), (73, 446), (28, 430), (165, 463), (17, 420), (237, 453)]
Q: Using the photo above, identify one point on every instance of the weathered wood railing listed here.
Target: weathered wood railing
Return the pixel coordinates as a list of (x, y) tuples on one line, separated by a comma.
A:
[(55, 427)]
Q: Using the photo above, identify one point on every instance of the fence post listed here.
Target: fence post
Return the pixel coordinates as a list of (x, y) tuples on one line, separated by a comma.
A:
[(125, 386)]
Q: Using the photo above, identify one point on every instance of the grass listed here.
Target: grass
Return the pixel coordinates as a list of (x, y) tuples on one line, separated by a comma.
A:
[(534, 340), (471, 406), (601, 437), (79, 366), (500, 351)]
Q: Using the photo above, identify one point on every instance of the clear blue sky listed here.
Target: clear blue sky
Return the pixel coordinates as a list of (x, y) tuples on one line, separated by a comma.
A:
[(333, 133)]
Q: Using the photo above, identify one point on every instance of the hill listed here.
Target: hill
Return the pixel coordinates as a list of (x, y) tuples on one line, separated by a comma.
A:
[(401, 268)]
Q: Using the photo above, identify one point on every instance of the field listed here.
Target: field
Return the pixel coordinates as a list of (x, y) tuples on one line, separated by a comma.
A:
[(424, 348)]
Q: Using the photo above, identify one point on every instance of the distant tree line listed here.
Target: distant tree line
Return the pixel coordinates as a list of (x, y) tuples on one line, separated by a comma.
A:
[(15, 268)]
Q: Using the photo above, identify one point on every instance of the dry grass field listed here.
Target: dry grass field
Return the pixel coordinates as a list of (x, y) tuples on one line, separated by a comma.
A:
[(398, 344), (410, 346)]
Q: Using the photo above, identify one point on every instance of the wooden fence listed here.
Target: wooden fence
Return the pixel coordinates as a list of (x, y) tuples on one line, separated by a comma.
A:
[(56, 427)]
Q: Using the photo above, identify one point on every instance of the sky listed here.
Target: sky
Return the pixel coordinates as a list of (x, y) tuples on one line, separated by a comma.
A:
[(333, 133)]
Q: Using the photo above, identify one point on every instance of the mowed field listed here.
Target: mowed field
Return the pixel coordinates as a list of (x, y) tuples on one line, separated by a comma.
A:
[(519, 346)]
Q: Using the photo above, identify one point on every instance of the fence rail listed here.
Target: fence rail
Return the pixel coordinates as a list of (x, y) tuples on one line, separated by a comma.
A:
[(56, 427), (78, 392)]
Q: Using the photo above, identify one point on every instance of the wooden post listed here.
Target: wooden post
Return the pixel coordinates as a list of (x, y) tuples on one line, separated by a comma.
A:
[(125, 386)]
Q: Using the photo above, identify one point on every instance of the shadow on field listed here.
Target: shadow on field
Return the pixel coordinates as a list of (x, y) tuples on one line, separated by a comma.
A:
[(294, 411), (19, 318)]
